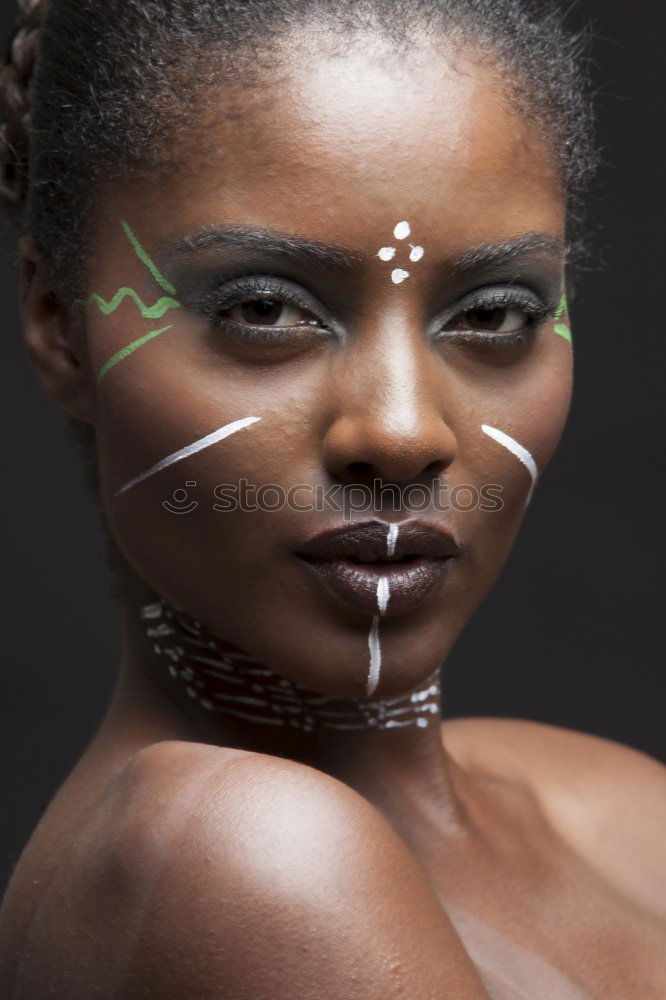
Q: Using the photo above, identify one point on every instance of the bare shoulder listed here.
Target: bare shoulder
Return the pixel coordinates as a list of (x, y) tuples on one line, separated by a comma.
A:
[(607, 800), (245, 875)]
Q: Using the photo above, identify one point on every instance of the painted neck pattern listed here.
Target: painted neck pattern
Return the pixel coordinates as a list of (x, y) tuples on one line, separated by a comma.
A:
[(225, 682)]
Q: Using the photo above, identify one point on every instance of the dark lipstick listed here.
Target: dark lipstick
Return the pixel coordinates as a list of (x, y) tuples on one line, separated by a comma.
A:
[(353, 560)]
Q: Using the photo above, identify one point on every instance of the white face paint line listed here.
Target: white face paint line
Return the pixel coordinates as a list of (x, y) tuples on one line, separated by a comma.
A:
[(521, 453), (221, 678), (191, 449), (375, 656), (386, 253), (150, 611), (398, 275), (402, 230), (160, 630), (391, 539), (211, 661), (383, 594)]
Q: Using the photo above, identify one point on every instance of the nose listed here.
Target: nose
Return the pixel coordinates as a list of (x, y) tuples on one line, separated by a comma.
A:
[(390, 423)]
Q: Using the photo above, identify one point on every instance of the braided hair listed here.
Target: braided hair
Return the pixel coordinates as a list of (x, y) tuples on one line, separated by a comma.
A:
[(92, 90), (15, 79)]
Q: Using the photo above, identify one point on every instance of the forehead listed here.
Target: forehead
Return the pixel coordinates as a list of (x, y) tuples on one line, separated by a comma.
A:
[(327, 141)]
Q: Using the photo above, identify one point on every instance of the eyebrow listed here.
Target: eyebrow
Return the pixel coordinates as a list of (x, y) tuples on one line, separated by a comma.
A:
[(269, 241), (496, 254), (316, 252)]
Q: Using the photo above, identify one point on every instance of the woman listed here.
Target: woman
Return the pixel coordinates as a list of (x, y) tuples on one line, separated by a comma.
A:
[(298, 273)]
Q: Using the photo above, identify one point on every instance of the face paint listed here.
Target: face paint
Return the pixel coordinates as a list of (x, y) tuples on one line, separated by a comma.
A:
[(229, 683), (401, 231), (191, 449), (125, 352), (391, 539), (562, 329), (155, 311), (521, 453), (375, 656), (383, 594), (165, 285)]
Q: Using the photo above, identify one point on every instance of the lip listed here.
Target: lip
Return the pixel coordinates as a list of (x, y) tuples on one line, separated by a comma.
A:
[(353, 563)]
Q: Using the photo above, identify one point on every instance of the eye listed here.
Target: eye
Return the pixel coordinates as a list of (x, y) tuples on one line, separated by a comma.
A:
[(272, 312), (497, 319), (500, 316), (265, 309)]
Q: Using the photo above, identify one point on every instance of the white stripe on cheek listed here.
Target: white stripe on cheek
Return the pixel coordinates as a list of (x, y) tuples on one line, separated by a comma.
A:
[(190, 449), (517, 449)]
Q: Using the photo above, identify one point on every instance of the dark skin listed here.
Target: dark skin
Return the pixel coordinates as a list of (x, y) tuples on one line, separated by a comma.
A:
[(186, 856)]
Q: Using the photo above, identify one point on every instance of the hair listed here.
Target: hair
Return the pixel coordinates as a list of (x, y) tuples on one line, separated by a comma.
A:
[(85, 80)]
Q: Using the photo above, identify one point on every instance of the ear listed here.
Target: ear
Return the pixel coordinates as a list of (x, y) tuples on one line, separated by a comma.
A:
[(59, 363)]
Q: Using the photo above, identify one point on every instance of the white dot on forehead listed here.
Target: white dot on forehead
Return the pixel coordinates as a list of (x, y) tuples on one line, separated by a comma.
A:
[(398, 276), (416, 253), (386, 253), (402, 231)]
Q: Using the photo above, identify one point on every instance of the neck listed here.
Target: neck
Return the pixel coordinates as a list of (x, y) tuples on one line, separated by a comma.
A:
[(390, 750)]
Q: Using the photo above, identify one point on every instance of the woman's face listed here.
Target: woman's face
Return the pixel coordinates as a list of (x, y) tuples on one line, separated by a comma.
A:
[(365, 257)]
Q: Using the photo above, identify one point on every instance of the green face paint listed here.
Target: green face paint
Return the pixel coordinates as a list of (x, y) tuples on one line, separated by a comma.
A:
[(155, 311), (125, 352), (148, 312), (562, 328), (165, 285)]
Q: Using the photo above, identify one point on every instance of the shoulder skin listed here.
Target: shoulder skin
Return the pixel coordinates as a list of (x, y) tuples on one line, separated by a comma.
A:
[(212, 874), (606, 800)]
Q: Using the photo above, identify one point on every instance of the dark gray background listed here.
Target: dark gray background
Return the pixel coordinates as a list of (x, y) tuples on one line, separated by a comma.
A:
[(572, 633)]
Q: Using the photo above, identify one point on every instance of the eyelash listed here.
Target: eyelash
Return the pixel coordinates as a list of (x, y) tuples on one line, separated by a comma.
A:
[(258, 287), (253, 288), (536, 311)]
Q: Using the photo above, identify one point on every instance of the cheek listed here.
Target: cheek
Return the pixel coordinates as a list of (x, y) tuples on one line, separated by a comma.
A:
[(540, 410), (510, 429), (518, 417), (166, 524), (510, 437)]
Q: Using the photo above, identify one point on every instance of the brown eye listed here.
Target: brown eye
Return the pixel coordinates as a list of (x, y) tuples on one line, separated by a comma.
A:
[(268, 312), (499, 319)]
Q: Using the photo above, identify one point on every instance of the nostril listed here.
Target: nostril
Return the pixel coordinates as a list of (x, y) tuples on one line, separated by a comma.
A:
[(360, 470), (432, 470)]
